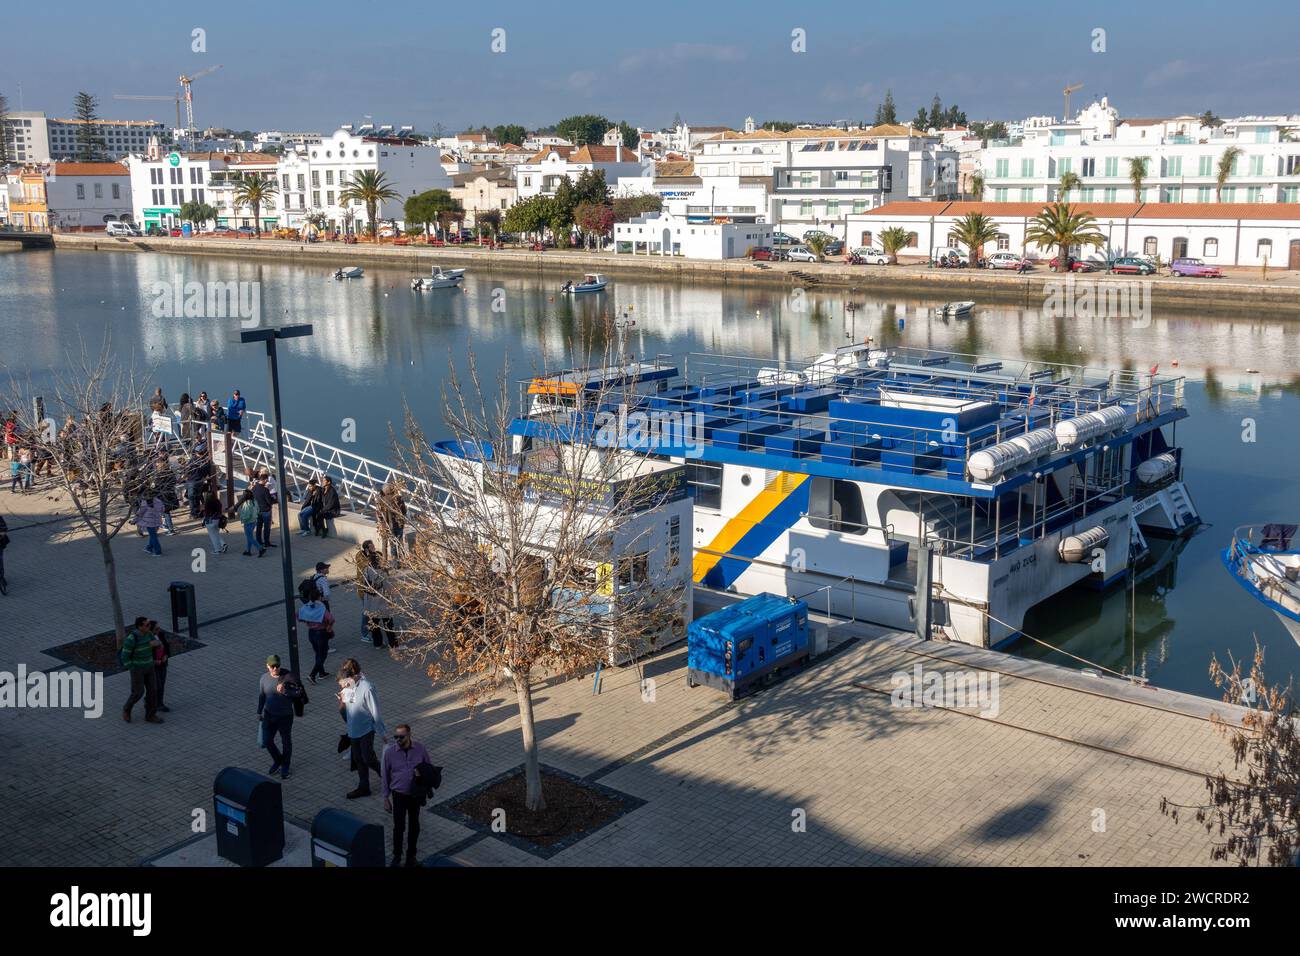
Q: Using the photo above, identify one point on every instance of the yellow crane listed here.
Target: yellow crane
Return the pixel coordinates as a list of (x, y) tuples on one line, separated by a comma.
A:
[(189, 98), (1073, 88)]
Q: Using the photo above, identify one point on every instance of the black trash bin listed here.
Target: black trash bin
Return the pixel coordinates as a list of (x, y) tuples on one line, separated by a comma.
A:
[(250, 817), (340, 839), (183, 606)]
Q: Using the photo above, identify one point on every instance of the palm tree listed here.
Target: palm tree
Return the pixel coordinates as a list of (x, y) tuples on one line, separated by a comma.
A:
[(1137, 174), (977, 187), (1069, 182), (974, 230), (1060, 226), (252, 191), (370, 188), (894, 239), (1226, 162), (817, 244)]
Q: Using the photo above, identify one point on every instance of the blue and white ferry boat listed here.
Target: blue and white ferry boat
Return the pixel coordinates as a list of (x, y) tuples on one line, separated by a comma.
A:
[(864, 477)]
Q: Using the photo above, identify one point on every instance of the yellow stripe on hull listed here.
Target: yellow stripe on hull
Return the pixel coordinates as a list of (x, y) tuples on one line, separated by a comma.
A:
[(763, 504)]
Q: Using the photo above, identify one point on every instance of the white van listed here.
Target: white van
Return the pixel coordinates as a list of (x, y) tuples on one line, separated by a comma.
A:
[(122, 229)]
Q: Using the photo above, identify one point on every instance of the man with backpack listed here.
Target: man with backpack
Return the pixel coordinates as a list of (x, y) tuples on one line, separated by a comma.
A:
[(137, 656), (322, 581), (280, 697)]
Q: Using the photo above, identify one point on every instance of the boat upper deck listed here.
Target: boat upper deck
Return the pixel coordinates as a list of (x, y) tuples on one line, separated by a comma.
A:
[(907, 417)]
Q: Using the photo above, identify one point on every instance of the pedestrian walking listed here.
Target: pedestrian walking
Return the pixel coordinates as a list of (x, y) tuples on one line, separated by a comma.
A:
[(164, 482), (265, 502), (310, 505), (18, 469), (11, 436), (321, 579), (197, 471), (136, 656), (330, 507), (148, 517), (320, 629), (404, 793), (279, 698), (359, 707), (248, 518), (214, 522), (360, 562), (161, 655)]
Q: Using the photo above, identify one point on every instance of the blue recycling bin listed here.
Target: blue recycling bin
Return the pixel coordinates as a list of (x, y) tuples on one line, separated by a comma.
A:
[(340, 839), (249, 814)]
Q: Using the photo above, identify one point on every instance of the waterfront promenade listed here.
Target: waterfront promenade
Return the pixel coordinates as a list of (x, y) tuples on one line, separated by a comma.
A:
[(1065, 773), (1240, 288)]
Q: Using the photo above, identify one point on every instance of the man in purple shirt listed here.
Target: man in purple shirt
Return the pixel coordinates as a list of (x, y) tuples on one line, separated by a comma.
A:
[(400, 760)]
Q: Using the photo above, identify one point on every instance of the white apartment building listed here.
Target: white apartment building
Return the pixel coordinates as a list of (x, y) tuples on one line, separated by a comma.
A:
[(223, 183), (542, 174), (162, 182), (819, 177), (275, 137), (1182, 163), (35, 138), (664, 234), (540, 141), (85, 196), (314, 177)]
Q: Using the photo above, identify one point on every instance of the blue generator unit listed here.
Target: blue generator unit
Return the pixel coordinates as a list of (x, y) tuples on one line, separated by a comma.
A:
[(738, 646)]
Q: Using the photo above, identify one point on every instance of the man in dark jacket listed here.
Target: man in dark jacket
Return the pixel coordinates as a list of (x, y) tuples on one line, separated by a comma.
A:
[(275, 710), (197, 472), (265, 502), (330, 507)]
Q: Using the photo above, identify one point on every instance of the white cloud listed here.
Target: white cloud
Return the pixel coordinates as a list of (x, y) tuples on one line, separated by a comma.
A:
[(679, 53)]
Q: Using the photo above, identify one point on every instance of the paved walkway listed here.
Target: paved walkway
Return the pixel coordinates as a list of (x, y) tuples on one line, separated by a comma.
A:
[(722, 783)]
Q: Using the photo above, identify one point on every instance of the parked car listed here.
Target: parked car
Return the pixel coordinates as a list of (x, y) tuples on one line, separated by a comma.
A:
[(1076, 265), (1132, 265), (766, 254), (1005, 260), (835, 248), (801, 254), (122, 229), (867, 256), (782, 239), (1195, 267), (243, 231)]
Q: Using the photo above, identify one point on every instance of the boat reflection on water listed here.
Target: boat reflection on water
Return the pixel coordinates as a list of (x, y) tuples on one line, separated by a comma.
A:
[(1099, 625)]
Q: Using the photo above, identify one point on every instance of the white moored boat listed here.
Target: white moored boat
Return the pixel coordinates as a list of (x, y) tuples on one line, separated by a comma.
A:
[(592, 282), (956, 308), (440, 279), (349, 272), (1262, 560)]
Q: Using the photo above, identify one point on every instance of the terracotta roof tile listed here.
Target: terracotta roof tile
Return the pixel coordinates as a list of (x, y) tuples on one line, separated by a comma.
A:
[(91, 169)]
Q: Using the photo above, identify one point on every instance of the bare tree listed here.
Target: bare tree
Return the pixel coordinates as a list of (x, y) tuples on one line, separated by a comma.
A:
[(529, 562), (91, 429), (1257, 819)]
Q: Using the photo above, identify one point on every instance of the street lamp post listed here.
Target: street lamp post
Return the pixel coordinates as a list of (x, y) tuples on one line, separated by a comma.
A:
[(270, 336)]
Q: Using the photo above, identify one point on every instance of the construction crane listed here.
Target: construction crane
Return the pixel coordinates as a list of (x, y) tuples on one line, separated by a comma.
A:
[(1074, 88), (174, 98), (189, 98)]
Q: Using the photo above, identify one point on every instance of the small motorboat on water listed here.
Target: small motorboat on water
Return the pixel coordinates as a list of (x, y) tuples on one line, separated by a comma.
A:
[(349, 272), (956, 308), (440, 279), (592, 282), (1262, 560)]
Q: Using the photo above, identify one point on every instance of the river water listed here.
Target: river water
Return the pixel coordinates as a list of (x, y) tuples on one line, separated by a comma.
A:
[(376, 344)]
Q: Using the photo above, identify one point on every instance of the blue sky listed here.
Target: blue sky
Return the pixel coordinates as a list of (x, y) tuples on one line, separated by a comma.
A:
[(316, 65)]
